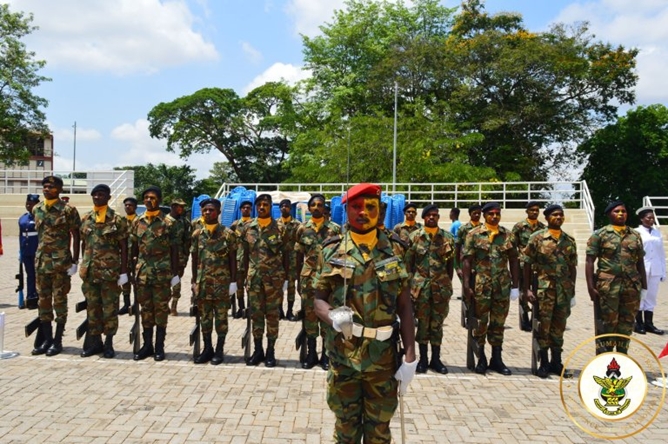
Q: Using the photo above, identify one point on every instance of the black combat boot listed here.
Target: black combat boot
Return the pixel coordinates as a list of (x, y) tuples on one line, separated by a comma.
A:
[(125, 309), (240, 309), (435, 364), (146, 350), (57, 345), (496, 363), (258, 353), (95, 347), (556, 367), (311, 355), (47, 332), (481, 368), (639, 326), (160, 333), (526, 322), (291, 317), (218, 354), (207, 353), (281, 313), (423, 361), (649, 323), (271, 359), (544, 369), (109, 347), (324, 359)]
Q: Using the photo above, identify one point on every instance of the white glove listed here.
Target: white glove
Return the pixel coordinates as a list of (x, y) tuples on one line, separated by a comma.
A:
[(285, 286), (233, 289), (405, 375), (122, 279), (514, 294), (175, 280), (643, 294), (72, 270), (573, 302)]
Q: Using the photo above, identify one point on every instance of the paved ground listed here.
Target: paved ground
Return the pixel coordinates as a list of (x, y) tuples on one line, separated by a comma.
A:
[(70, 399)]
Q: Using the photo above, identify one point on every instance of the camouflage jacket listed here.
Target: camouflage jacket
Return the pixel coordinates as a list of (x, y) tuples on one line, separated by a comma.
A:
[(404, 231), (154, 240), (238, 226), (489, 258), (290, 238), (551, 259), (522, 231), (617, 254), (101, 246), (183, 229), (264, 247), (427, 259), (213, 251), (371, 290), (462, 232), (53, 227), (309, 243)]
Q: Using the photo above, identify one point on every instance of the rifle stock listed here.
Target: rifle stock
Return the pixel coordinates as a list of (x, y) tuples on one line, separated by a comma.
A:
[(195, 332), (535, 347), (19, 288), (82, 329), (31, 327), (471, 325), (246, 338), (300, 340), (134, 331)]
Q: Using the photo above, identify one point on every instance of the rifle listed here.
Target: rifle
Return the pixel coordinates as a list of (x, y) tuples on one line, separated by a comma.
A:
[(30, 328), (246, 337), (471, 324), (82, 329), (300, 340), (195, 332), (463, 310), (535, 347), (19, 288), (134, 330)]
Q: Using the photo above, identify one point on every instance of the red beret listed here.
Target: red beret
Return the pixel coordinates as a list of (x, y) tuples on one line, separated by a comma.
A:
[(362, 189)]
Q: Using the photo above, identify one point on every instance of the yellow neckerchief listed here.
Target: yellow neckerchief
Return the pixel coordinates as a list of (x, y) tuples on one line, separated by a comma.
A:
[(131, 217), (245, 218), (48, 203), (369, 239), (100, 213), (493, 231), (431, 231), (555, 233), (264, 223), (533, 223), (317, 222), (410, 223), (475, 224), (201, 219), (621, 230), (151, 214), (286, 220), (211, 227)]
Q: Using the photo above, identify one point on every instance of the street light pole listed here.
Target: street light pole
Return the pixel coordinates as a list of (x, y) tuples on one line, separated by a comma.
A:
[(74, 157), (394, 156)]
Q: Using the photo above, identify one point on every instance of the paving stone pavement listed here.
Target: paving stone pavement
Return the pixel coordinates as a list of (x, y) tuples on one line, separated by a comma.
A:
[(71, 399)]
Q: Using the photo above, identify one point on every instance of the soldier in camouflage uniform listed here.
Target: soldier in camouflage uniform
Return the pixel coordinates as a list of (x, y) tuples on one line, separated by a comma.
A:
[(104, 244), (184, 233), (408, 226), (364, 272), (552, 254), (57, 223), (488, 250), (214, 268), (130, 206), (429, 261), (310, 238), (327, 214), (289, 226), (620, 281), (475, 211), (237, 226), (155, 245), (522, 231), (267, 266)]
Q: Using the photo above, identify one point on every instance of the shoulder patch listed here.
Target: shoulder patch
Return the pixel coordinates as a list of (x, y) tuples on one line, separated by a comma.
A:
[(395, 238), (331, 240)]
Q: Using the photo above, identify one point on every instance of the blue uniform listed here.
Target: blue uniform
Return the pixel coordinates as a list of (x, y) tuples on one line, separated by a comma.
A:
[(28, 247)]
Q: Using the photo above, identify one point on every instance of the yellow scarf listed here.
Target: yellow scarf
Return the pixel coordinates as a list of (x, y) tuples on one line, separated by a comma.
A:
[(475, 224), (533, 223), (554, 233), (369, 239), (620, 230), (49, 202), (245, 219), (151, 214), (493, 231), (210, 227), (286, 219), (264, 223), (318, 221), (100, 213), (431, 231), (131, 217), (410, 223)]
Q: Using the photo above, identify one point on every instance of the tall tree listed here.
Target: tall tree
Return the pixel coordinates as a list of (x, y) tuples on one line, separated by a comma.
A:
[(628, 160), (174, 181), (21, 115)]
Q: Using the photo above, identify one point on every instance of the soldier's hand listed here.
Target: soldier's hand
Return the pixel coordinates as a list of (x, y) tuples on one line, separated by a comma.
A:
[(193, 288), (175, 280), (405, 375), (233, 289), (593, 293), (530, 296), (122, 279), (72, 270), (460, 274), (514, 294), (573, 302), (285, 286)]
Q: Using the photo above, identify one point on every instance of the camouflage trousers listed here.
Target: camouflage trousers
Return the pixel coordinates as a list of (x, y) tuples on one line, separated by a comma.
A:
[(176, 289), (431, 308), (102, 309), (312, 324), (492, 302), (264, 299), (363, 403), (52, 289), (553, 310), (153, 297), (213, 305), (241, 283), (619, 298)]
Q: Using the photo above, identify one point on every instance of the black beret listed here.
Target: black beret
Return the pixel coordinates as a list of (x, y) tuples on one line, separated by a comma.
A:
[(132, 200), (316, 196), (32, 198), (53, 180), (410, 205), (427, 209), (245, 202), (551, 209), (612, 205), (285, 201), (641, 212), (100, 187), (262, 197), (475, 207), (532, 203), (210, 201), (154, 189), (491, 206)]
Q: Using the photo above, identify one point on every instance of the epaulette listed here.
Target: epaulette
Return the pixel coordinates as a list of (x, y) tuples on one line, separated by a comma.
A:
[(395, 238), (331, 240)]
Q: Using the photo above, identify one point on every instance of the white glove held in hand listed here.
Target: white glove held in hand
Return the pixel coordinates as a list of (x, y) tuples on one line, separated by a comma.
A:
[(285, 286), (72, 270), (405, 375), (643, 294), (514, 294), (573, 302), (175, 280), (233, 289), (122, 279)]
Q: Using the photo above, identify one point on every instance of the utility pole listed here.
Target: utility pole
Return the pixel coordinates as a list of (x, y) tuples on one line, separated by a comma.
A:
[(74, 157), (394, 157)]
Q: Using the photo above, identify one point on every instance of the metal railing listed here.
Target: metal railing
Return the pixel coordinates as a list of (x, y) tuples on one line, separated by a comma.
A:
[(660, 206)]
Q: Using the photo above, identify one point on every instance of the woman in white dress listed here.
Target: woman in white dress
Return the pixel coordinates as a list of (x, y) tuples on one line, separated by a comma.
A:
[(655, 267)]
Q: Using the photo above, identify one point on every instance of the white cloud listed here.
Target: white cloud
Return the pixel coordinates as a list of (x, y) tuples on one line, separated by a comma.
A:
[(277, 72), (118, 36), (251, 53)]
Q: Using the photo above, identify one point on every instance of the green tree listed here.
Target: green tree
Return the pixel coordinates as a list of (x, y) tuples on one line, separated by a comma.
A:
[(174, 181), (21, 115), (628, 160)]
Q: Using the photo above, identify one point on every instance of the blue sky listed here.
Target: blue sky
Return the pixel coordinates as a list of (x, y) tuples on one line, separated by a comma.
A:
[(111, 61)]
